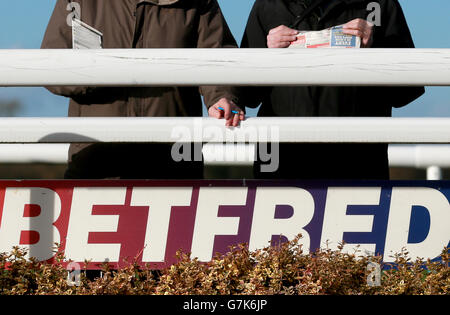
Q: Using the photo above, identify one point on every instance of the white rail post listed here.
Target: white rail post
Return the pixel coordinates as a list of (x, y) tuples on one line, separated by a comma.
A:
[(434, 173)]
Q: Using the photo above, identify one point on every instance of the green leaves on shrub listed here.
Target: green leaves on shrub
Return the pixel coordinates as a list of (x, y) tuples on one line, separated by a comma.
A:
[(284, 269)]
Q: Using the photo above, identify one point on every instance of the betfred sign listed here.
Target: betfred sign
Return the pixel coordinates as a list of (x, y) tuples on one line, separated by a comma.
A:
[(116, 221)]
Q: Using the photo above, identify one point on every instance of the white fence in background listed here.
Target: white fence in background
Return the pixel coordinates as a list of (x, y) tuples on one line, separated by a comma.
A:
[(432, 158), (171, 129), (243, 67)]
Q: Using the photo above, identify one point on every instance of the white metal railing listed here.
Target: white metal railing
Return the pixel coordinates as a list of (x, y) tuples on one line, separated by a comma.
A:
[(139, 67), (192, 67), (414, 156), (432, 158), (172, 129)]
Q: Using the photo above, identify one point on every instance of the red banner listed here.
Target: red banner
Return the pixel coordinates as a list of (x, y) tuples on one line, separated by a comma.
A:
[(149, 221)]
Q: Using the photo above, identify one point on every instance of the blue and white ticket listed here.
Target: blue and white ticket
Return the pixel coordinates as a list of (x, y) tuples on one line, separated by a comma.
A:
[(332, 37)]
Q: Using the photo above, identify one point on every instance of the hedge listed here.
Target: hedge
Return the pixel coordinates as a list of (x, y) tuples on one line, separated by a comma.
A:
[(275, 270)]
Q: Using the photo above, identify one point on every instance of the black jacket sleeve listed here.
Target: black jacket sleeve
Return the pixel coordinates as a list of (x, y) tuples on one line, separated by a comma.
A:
[(254, 37), (394, 33)]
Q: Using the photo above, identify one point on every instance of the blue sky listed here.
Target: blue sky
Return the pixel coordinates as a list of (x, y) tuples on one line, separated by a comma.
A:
[(23, 25)]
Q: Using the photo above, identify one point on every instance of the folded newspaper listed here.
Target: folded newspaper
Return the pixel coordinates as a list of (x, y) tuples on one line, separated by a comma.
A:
[(332, 37)]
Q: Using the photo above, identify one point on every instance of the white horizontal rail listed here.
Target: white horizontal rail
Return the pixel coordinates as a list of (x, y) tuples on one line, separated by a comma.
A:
[(34, 153), (181, 67), (414, 156), (214, 154), (211, 130), (420, 156)]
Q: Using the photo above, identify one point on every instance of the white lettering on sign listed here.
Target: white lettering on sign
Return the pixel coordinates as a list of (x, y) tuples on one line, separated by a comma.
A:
[(82, 222), (265, 225), (13, 221), (402, 201), (160, 202), (336, 220), (34, 217), (207, 222)]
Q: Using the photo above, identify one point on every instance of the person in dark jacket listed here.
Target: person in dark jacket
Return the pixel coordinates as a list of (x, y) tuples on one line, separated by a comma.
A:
[(274, 24), (141, 24)]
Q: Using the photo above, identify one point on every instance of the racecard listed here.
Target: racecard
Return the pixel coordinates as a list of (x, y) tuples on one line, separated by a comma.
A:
[(149, 221)]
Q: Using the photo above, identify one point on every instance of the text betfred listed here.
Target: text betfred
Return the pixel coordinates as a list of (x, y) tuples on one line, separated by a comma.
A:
[(151, 222)]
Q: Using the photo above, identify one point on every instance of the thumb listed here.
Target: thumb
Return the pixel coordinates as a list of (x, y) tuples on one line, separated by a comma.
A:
[(214, 112)]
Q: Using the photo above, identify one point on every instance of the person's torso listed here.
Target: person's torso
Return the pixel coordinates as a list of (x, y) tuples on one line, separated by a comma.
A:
[(317, 100), (328, 13), (143, 24)]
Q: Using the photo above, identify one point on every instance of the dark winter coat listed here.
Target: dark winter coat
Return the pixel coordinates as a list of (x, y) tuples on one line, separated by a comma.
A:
[(329, 161), (139, 24)]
